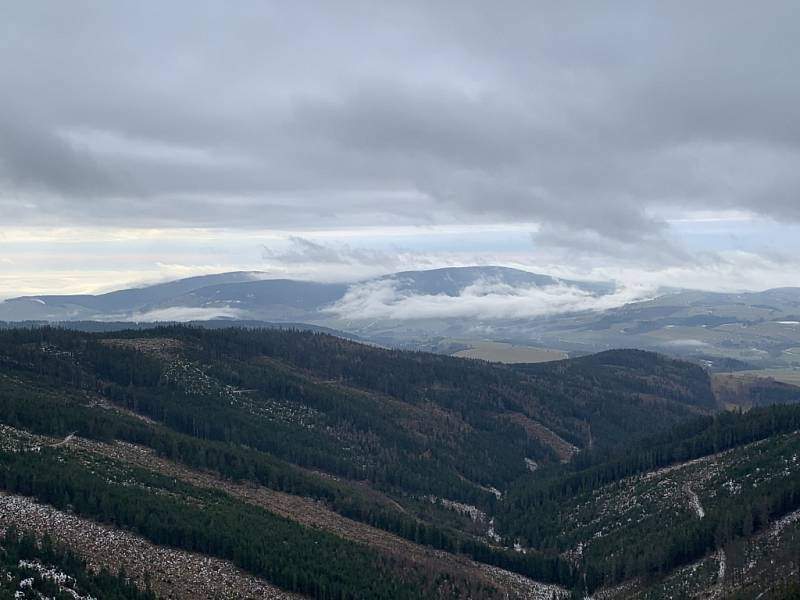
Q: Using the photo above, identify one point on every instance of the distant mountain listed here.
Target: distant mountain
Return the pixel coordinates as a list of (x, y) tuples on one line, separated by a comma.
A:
[(452, 281), (252, 295), (457, 309), (270, 299), (120, 304)]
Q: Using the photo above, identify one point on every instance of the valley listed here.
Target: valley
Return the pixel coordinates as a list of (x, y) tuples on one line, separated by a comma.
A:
[(421, 466)]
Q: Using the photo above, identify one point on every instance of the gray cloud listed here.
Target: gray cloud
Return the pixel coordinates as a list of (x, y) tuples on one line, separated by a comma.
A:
[(586, 118), (35, 159), (339, 261), (653, 248), (302, 251)]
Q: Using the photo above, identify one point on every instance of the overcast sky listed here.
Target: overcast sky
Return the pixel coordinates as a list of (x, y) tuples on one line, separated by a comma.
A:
[(645, 141)]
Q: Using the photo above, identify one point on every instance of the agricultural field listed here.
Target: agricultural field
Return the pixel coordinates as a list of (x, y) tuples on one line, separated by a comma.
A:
[(785, 375), (505, 352)]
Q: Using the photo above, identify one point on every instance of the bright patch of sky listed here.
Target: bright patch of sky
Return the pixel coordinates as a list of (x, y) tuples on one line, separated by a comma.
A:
[(729, 252)]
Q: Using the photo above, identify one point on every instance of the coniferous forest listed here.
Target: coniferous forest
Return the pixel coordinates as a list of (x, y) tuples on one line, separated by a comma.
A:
[(512, 467)]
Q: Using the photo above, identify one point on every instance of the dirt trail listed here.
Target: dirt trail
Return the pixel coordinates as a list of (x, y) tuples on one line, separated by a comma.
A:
[(65, 441), (694, 501)]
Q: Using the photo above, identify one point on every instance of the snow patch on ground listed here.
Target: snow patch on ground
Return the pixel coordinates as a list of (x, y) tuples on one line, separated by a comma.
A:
[(784, 522), (722, 559), (527, 588), (473, 512), (694, 502), (492, 534), (64, 582), (531, 465)]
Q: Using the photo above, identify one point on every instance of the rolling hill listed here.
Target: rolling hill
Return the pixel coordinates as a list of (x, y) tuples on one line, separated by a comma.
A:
[(493, 313)]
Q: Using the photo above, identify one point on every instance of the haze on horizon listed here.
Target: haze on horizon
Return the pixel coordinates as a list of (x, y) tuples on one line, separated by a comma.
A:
[(656, 144)]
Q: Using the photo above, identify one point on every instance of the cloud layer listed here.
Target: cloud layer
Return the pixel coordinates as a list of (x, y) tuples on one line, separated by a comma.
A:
[(482, 301), (582, 117)]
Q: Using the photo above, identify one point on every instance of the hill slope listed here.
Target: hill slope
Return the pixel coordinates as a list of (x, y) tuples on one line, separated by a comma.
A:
[(300, 462), (416, 422), (700, 493)]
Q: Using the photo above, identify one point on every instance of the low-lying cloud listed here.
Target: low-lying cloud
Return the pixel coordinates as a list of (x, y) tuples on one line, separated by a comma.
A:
[(483, 301), (186, 313)]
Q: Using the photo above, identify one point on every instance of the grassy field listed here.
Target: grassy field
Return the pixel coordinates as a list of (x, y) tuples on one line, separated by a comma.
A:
[(786, 375), (510, 353)]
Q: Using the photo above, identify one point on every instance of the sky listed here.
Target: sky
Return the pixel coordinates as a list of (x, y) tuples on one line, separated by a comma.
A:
[(652, 143)]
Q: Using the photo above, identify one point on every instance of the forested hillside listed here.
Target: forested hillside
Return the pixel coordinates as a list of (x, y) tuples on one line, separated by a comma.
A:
[(744, 466), (405, 421), (330, 469)]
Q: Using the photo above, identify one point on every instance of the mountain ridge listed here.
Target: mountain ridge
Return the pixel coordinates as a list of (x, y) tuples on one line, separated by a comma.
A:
[(456, 309), (238, 287)]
